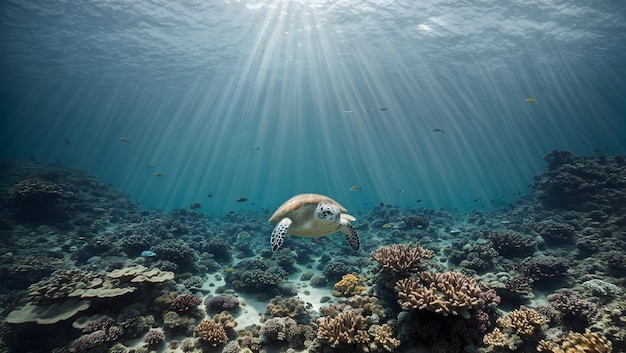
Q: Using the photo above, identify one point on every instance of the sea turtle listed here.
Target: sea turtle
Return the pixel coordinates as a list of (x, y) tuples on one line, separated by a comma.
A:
[(313, 216)]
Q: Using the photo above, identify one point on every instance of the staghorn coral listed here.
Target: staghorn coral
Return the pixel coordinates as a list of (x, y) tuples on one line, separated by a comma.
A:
[(347, 328), (574, 342), (445, 293), (349, 285), (383, 337), (401, 258), (211, 332), (523, 322), (517, 328)]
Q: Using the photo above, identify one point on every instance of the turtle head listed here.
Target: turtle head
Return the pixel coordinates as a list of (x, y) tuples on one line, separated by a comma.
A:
[(327, 212)]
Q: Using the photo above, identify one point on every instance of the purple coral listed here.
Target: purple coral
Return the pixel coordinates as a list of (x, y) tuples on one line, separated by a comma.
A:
[(222, 302), (577, 312), (185, 302), (154, 337)]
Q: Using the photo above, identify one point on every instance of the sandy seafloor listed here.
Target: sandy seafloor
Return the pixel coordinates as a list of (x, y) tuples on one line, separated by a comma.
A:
[(543, 273)]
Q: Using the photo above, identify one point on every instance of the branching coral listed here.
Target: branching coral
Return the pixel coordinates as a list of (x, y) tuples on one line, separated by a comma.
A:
[(445, 293), (401, 258), (346, 328), (349, 285), (574, 342), (211, 332), (516, 328), (523, 322)]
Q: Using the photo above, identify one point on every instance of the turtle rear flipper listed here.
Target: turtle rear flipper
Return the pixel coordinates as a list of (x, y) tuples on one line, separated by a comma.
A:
[(279, 232), (350, 234)]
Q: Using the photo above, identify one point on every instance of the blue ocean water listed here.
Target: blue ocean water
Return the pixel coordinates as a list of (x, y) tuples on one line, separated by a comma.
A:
[(266, 99)]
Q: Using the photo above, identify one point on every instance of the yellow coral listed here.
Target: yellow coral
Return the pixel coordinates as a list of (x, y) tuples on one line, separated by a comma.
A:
[(574, 342), (211, 332), (384, 338), (496, 338), (349, 285), (523, 322)]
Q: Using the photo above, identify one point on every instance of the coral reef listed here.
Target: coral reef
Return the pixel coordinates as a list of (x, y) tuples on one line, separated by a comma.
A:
[(211, 332), (349, 285), (401, 258), (445, 293), (574, 342)]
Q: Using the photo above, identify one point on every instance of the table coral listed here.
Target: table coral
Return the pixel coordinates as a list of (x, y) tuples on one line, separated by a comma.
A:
[(445, 293), (401, 258), (211, 332)]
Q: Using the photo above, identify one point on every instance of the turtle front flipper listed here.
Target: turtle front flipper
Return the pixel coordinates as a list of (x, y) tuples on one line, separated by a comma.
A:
[(350, 234), (279, 232)]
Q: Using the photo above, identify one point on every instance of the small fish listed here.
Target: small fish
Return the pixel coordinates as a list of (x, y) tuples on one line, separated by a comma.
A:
[(242, 199), (439, 131), (228, 269), (355, 188), (148, 253), (348, 112), (67, 141), (149, 166), (387, 225), (530, 100), (400, 191), (158, 174), (124, 139), (418, 200), (399, 225), (368, 109), (477, 199), (383, 109), (209, 195), (243, 235), (255, 148)]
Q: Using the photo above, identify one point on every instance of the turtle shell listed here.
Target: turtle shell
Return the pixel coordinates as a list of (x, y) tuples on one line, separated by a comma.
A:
[(298, 201)]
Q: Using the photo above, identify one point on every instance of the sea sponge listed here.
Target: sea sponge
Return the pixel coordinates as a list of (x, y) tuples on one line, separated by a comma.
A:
[(445, 293), (401, 258), (349, 285), (211, 332), (574, 342)]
